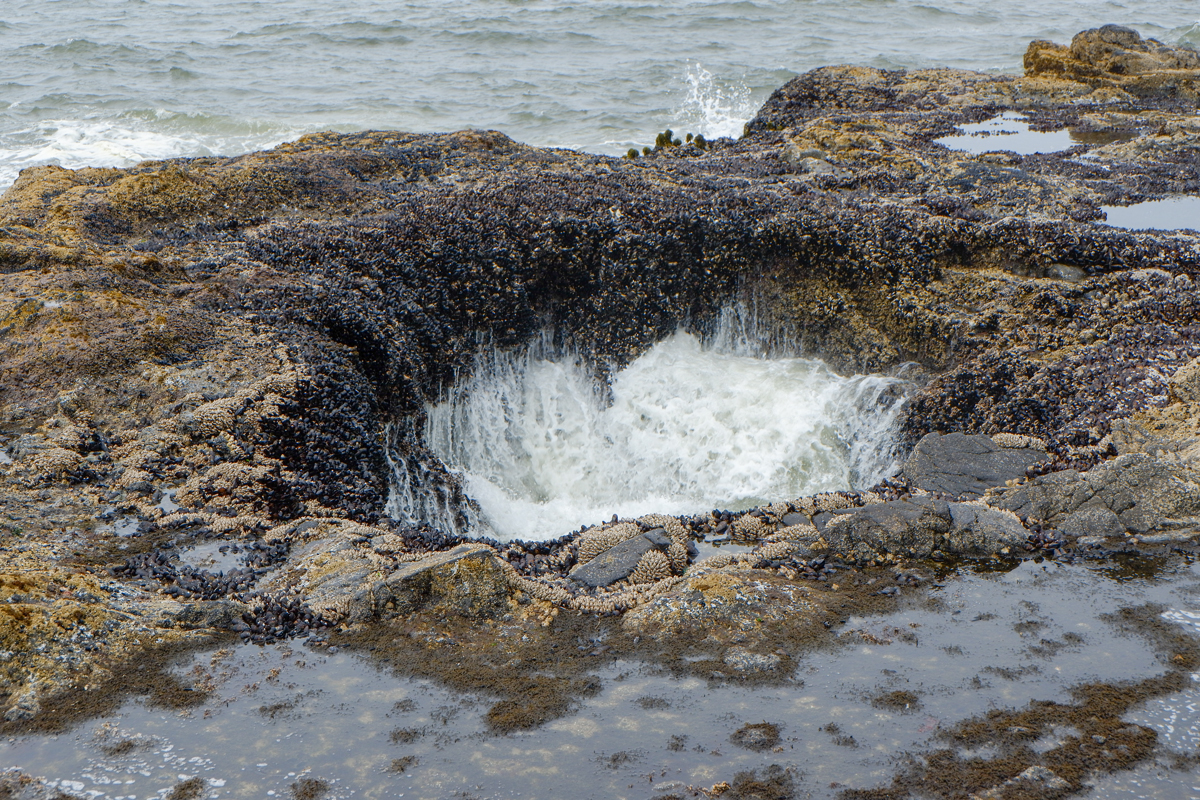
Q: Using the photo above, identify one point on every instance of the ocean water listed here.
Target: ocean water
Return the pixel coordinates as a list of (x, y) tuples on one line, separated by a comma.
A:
[(114, 82), (687, 427)]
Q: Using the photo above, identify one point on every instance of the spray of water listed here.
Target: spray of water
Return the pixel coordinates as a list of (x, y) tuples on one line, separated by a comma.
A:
[(542, 448), (712, 108), (128, 140)]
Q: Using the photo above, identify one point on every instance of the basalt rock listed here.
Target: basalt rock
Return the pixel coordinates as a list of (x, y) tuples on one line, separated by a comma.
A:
[(1144, 495), (621, 560), (966, 466)]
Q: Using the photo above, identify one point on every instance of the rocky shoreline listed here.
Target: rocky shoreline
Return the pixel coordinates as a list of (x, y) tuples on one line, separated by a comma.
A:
[(232, 349)]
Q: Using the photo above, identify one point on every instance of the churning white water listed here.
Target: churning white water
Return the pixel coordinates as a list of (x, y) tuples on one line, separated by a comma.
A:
[(685, 428)]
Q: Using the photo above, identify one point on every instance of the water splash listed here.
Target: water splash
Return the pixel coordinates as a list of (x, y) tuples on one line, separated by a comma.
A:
[(129, 140), (712, 108), (543, 447)]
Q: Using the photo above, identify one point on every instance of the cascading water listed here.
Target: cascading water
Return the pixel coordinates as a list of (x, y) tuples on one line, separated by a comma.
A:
[(542, 448)]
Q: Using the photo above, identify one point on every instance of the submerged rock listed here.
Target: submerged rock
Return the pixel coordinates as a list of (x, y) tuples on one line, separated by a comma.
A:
[(724, 601)]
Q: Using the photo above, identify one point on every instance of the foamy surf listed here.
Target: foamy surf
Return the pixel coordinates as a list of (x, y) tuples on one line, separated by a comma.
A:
[(687, 427), (714, 108), (130, 139)]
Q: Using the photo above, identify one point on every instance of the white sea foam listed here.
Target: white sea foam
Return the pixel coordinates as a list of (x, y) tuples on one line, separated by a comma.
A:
[(714, 108), (128, 140), (685, 428)]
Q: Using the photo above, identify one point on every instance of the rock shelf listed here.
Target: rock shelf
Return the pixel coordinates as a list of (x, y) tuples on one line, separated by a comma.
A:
[(257, 335)]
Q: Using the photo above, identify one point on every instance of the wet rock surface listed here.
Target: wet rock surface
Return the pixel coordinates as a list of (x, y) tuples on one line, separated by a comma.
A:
[(620, 560), (964, 466), (240, 349)]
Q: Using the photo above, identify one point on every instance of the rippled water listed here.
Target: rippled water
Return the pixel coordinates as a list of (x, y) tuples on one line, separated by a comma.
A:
[(111, 82), (282, 714)]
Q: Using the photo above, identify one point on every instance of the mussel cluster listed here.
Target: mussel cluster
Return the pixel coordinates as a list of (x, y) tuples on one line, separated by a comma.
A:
[(815, 569), (186, 582), (1044, 541), (274, 618)]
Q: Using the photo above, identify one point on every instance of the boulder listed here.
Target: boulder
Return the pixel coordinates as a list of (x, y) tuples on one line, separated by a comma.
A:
[(1094, 521), (748, 601), (913, 528), (620, 560), (340, 578), (1148, 494), (918, 527), (1116, 57), (466, 580), (977, 529), (966, 466), (1046, 498), (1141, 493)]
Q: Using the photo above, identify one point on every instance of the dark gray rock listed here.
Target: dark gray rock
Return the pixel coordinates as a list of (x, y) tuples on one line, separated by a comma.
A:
[(1047, 498), (822, 518), (913, 528), (1148, 494), (1092, 521), (966, 466), (1143, 493), (979, 530), (918, 527), (793, 518), (617, 562)]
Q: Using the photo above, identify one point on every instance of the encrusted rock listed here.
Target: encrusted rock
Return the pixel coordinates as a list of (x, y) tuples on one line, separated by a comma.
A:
[(745, 661), (745, 600), (620, 560), (966, 466), (913, 528), (341, 579), (977, 529), (653, 567), (1185, 383), (1092, 521), (1146, 494), (217, 614), (466, 580), (1119, 58)]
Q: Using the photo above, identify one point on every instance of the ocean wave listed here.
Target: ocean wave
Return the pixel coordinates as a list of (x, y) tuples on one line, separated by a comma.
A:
[(131, 139)]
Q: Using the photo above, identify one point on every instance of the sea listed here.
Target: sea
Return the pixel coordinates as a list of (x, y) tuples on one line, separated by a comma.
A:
[(116, 82)]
